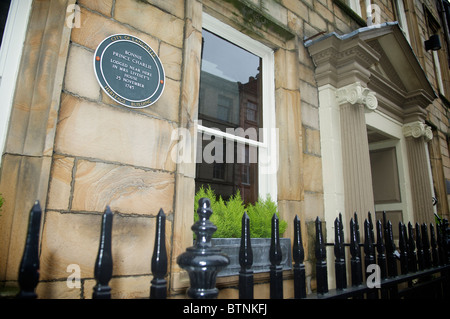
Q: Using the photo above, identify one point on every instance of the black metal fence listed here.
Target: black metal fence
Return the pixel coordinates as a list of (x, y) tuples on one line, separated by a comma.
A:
[(419, 268)]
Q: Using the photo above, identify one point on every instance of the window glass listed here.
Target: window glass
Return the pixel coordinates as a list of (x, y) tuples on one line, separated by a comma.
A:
[(230, 101)]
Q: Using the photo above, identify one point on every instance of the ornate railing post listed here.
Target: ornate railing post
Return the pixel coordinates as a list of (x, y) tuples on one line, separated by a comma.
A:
[(426, 246), (245, 261), (419, 245), (339, 264), (158, 289), (104, 263), (203, 261), (356, 267), (441, 245), (369, 252), (403, 244), (369, 247), (275, 257), (381, 260), (321, 260), (412, 257), (29, 266), (342, 253), (390, 250), (298, 254), (434, 247)]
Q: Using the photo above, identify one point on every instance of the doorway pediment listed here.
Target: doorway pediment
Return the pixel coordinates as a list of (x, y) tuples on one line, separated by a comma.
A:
[(380, 58)]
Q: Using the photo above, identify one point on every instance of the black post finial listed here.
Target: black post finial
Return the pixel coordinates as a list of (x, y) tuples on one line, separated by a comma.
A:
[(426, 246), (381, 250), (403, 245), (356, 267), (275, 257), (412, 257), (203, 261), (321, 257), (369, 246), (104, 263), (298, 254), (390, 250), (434, 247), (29, 266), (158, 288), (339, 264), (245, 261), (419, 244)]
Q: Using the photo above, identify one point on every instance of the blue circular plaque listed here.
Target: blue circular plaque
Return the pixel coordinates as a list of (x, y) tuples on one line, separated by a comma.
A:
[(129, 71)]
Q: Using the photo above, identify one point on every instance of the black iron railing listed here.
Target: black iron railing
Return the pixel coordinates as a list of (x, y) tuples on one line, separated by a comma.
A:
[(423, 260)]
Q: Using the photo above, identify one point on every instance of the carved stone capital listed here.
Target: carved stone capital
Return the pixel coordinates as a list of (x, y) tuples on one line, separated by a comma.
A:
[(357, 94), (418, 129)]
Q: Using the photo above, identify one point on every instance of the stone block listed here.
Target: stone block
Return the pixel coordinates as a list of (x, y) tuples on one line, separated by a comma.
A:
[(60, 183), (57, 290), (312, 173), (311, 141), (290, 170), (95, 28), (175, 7), (101, 6), (80, 76), (150, 20), (310, 115), (113, 134), (316, 21), (165, 108), (172, 58), (132, 287), (61, 244), (125, 189), (132, 244)]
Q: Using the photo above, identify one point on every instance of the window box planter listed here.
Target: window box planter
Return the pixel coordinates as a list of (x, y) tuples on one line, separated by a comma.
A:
[(260, 247)]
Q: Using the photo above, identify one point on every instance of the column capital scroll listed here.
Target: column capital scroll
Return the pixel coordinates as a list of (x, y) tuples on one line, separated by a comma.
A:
[(418, 129), (355, 93)]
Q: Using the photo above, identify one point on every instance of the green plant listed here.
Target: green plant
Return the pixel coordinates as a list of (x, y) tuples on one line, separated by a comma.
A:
[(227, 215)]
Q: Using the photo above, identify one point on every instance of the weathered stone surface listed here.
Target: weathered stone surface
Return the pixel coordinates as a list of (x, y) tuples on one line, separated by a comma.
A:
[(112, 134), (133, 287), (80, 76), (288, 122), (150, 20), (163, 108), (57, 290), (95, 28), (60, 183), (71, 238), (125, 189), (312, 173), (171, 57), (101, 6)]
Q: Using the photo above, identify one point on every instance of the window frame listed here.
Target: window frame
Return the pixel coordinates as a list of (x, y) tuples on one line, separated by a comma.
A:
[(10, 55), (267, 148)]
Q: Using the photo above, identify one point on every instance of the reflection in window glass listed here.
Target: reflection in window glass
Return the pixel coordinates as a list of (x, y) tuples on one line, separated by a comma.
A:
[(230, 101)]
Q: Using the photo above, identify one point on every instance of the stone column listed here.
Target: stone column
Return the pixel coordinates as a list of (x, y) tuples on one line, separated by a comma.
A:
[(417, 135), (354, 100)]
